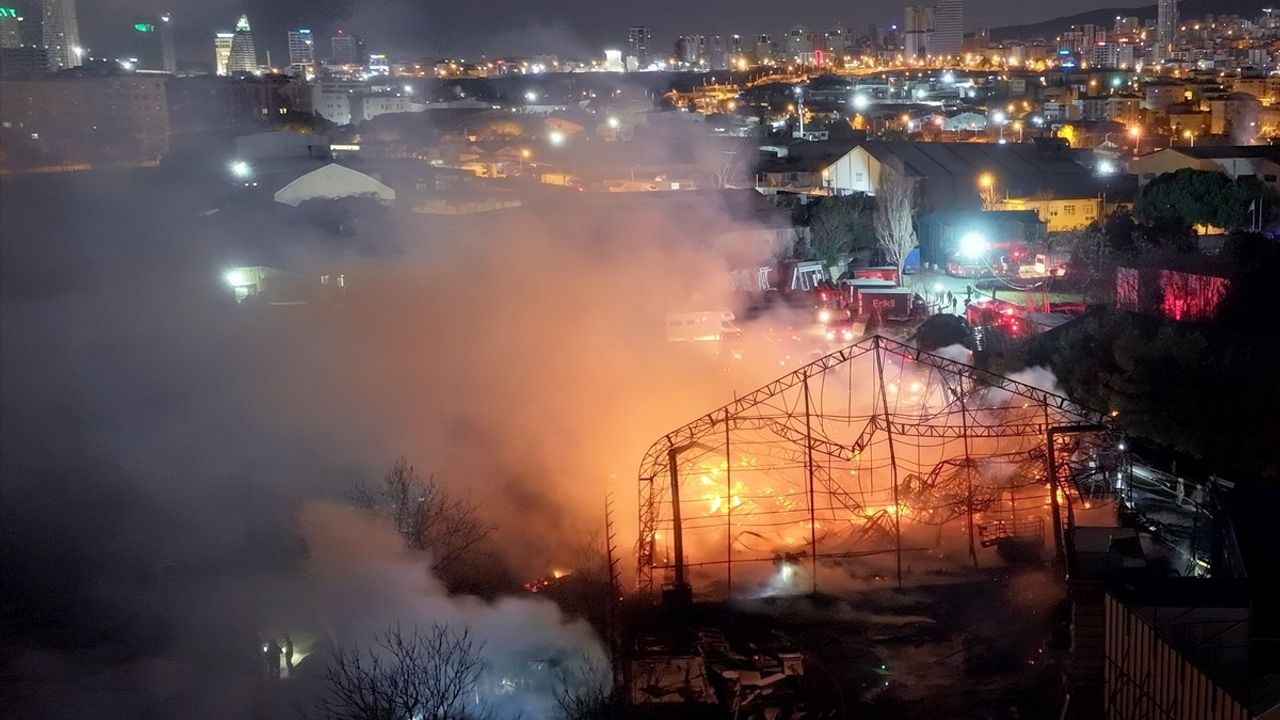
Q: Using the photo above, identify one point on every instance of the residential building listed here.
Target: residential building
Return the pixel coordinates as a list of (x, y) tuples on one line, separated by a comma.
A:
[(1234, 114), (91, 119), (640, 45), (948, 29), (798, 42), (302, 51), (917, 25), (61, 35), (244, 55), (222, 53), (1166, 26), (1260, 161)]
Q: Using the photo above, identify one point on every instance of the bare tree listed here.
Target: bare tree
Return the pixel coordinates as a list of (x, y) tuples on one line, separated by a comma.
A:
[(585, 691), (405, 675), (894, 218), (838, 226), (430, 519), (723, 164)]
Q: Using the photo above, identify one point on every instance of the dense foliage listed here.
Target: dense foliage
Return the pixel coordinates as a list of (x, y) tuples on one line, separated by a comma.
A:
[(1199, 197)]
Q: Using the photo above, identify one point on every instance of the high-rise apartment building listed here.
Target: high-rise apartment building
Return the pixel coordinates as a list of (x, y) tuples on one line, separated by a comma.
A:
[(302, 51), (764, 48), (168, 53), (61, 35), (222, 52), (689, 48), (11, 22), (947, 39), (1166, 26), (917, 26), (244, 56), (799, 42), (837, 41), (640, 44), (345, 49)]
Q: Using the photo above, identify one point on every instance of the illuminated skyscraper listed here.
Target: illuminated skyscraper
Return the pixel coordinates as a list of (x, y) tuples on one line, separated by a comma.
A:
[(947, 39), (61, 35), (302, 51), (640, 44), (244, 56), (222, 52)]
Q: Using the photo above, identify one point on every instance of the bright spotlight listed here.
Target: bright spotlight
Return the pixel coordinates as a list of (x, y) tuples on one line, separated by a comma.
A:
[(861, 102), (236, 278), (556, 137), (973, 245), (999, 118), (531, 96), (241, 169), (1106, 167), (408, 89), (613, 123)]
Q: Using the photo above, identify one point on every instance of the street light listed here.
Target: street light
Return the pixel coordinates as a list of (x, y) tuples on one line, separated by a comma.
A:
[(1189, 136), (241, 169), (1135, 132)]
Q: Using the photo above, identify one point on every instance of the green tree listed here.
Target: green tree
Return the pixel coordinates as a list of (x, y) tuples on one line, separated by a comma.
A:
[(1200, 197)]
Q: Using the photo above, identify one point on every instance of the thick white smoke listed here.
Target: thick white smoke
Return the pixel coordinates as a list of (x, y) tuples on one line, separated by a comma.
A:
[(364, 580)]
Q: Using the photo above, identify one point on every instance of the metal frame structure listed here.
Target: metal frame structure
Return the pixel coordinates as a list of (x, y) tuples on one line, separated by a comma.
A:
[(833, 459)]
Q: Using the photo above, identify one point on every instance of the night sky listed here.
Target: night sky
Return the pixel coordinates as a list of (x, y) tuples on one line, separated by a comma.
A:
[(570, 27)]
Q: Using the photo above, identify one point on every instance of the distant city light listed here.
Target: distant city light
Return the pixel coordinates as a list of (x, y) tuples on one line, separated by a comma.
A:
[(1106, 167), (556, 137), (999, 118), (408, 89), (613, 123), (241, 169), (531, 96), (861, 102)]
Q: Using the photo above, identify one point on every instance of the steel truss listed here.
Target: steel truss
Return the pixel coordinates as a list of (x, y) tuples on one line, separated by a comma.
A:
[(828, 460)]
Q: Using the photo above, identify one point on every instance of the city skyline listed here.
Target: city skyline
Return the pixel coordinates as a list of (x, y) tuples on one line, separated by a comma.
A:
[(400, 28)]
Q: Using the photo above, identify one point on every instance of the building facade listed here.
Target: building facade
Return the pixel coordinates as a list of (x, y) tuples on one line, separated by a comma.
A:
[(243, 57), (344, 49), (112, 119), (222, 53), (640, 44), (302, 55), (948, 29), (1166, 26), (61, 35)]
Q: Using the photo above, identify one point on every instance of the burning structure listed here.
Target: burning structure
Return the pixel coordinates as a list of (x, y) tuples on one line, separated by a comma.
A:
[(871, 450)]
